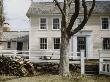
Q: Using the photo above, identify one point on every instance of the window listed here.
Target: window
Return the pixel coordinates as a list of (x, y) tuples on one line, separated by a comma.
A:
[(56, 23), (9, 45), (56, 43), (105, 23), (106, 43), (43, 43), (43, 23)]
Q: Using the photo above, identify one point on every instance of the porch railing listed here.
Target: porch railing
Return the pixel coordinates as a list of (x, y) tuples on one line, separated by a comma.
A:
[(14, 53), (104, 62)]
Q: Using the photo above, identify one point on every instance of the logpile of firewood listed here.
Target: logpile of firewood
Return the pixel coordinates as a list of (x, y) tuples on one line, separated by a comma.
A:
[(16, 66)]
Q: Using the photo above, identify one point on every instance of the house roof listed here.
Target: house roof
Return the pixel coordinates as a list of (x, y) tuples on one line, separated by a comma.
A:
[(37, 8), (15, 35)]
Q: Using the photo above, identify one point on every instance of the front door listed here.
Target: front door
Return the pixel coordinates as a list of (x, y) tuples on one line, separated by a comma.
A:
[(81, 44), (19, 46)]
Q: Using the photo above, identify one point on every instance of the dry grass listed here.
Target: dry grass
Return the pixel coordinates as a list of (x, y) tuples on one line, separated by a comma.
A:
[(56, 78)]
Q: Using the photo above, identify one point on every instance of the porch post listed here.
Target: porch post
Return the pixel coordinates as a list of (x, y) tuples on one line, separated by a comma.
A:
[(101, 65), (89, 45), (82, 62), (1, 49), (74, 46), (100, 62)]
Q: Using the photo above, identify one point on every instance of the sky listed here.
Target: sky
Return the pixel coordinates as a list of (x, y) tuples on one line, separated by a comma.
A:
[(15, 13)]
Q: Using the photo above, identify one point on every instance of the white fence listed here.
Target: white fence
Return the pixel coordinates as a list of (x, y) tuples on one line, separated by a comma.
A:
[(38, 57), (54, 56), (104, 62), (14, 53)]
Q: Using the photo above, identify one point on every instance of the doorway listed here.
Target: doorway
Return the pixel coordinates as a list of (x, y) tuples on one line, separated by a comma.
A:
[(19, 46), (81, 45)]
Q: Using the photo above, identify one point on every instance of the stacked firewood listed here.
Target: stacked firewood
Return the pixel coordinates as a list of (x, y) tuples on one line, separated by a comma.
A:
[(16, 66)]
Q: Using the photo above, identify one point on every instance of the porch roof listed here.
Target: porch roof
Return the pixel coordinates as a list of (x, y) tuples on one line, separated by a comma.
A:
[(15, 36)]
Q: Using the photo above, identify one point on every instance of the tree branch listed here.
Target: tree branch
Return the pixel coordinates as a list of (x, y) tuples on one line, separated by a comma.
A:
[(75, 15), (92, 8), (84, 20), (85, 9), (86, 16), (69, 2), (58, 5), (64, 6)]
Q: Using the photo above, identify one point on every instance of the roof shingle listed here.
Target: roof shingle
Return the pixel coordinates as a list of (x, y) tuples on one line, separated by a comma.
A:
[(37, 8), (14, 35)]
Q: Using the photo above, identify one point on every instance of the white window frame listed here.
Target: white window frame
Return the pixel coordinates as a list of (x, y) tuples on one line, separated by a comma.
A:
[(108, 22), (40, 43), (103, 44), (59, 23), (54, 43), (40, 23)]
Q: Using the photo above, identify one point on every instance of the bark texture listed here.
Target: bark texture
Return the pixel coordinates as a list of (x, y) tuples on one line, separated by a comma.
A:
[(64, 55), (66, 28), (64, 62), (1, 20)]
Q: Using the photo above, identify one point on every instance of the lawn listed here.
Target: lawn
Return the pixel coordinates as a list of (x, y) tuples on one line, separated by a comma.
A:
[(56, 78)]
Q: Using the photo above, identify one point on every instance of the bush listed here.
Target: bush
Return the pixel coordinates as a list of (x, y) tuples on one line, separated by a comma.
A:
[(16, 66)]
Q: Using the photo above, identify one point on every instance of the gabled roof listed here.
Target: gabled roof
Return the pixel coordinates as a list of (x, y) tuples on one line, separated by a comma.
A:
[(37, 8), (15, 35)]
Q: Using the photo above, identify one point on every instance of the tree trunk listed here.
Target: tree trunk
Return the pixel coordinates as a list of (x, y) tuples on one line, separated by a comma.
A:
[(64, 55), (1, 21)]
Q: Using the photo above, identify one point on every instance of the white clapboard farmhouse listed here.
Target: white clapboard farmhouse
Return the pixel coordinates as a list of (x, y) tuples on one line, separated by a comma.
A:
[(44, 36)]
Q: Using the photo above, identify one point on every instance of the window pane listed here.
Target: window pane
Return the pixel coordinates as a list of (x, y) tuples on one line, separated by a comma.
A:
[(108, 67), (56, 20), (9, 45), (103, 67), (56, 43), (43, 20), (43, 23), (56, 23), (43, 43), (105, 23), (106, 43), (55, 26)]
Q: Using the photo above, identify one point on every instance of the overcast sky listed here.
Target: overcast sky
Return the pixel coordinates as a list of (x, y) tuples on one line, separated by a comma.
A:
[(15, 13)]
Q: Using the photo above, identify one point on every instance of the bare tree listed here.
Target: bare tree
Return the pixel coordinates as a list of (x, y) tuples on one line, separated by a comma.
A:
[(1, 19), (66, 27)]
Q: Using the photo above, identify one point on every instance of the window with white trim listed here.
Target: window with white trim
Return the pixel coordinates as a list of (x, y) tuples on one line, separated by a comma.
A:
[(106, 43), (56, 43), (43, 43), (105, 22), (56, 23), (43, 23), (9, 44)]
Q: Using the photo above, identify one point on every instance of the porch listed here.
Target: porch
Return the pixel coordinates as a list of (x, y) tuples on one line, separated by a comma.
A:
[(54, 57), (104, 62)]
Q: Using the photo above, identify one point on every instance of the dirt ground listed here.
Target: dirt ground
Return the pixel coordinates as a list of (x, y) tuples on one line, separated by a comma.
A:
[(56, 78)]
